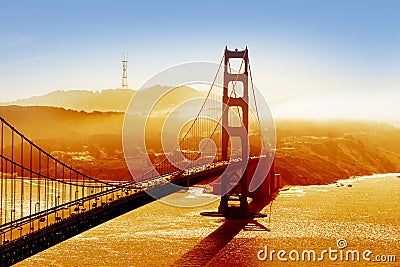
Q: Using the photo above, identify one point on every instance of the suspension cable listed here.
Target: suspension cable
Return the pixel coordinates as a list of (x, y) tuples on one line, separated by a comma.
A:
[(223, 111), (193, 124), (50, 156), (256, 106), (225, 106)]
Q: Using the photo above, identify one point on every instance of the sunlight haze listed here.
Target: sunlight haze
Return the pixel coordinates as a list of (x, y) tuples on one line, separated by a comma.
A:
[(309, 59)]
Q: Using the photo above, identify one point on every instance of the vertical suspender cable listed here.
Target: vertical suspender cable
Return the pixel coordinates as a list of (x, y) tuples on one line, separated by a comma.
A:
[(30, 188), (13, 177), (56, 191), (46, 189), (2, 175), (22, 178), (63, 190), (70, 186), (38, 182), (5, 190)]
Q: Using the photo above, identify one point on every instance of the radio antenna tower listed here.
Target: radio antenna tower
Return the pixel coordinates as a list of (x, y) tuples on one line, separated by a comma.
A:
[(125, 71)]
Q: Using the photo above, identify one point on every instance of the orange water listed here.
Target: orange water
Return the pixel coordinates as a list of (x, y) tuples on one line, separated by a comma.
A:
[(366, 215)]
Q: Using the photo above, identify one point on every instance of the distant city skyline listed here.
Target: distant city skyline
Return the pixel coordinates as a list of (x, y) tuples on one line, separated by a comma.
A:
[(309, 58)]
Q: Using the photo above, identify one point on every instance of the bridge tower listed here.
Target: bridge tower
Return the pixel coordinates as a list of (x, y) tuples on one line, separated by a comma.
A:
[(125, 71), (239, 192)]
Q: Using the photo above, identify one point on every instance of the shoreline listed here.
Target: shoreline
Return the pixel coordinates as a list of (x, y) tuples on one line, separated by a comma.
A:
[(346, 180)]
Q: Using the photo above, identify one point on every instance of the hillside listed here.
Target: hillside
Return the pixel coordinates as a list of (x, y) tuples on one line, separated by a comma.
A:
[(325, 151), (106, 100), (116, 100), (67, 133), (308, 152)]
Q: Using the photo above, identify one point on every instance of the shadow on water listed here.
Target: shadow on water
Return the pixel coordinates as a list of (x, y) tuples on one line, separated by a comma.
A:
[(203, 252), (254, 225)]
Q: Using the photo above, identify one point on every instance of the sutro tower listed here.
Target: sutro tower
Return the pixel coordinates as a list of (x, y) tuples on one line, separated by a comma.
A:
[(125, 71)]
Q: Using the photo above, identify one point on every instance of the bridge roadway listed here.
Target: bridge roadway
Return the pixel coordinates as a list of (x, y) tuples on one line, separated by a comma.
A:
[(48, 228)]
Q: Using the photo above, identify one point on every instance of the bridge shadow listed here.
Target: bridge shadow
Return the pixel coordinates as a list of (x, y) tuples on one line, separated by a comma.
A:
[(203, 252)]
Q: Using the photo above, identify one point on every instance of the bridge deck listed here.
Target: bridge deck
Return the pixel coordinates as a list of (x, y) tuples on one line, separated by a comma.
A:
[(64, 222)]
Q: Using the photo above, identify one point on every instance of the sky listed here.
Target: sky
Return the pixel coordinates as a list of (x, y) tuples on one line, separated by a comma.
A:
[(310, 58)]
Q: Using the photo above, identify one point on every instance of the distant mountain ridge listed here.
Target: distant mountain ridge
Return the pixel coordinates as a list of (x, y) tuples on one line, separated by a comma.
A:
[(114, 100), (105, 100)]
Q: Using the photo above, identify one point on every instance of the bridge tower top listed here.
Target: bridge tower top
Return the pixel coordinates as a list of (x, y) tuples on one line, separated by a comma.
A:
[(125, 71)]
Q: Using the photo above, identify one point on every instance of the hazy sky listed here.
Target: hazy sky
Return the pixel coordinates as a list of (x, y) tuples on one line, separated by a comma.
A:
[(302, 52)]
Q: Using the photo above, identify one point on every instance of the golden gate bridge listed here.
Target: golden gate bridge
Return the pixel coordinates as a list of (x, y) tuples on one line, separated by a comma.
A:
[(44, 201)]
